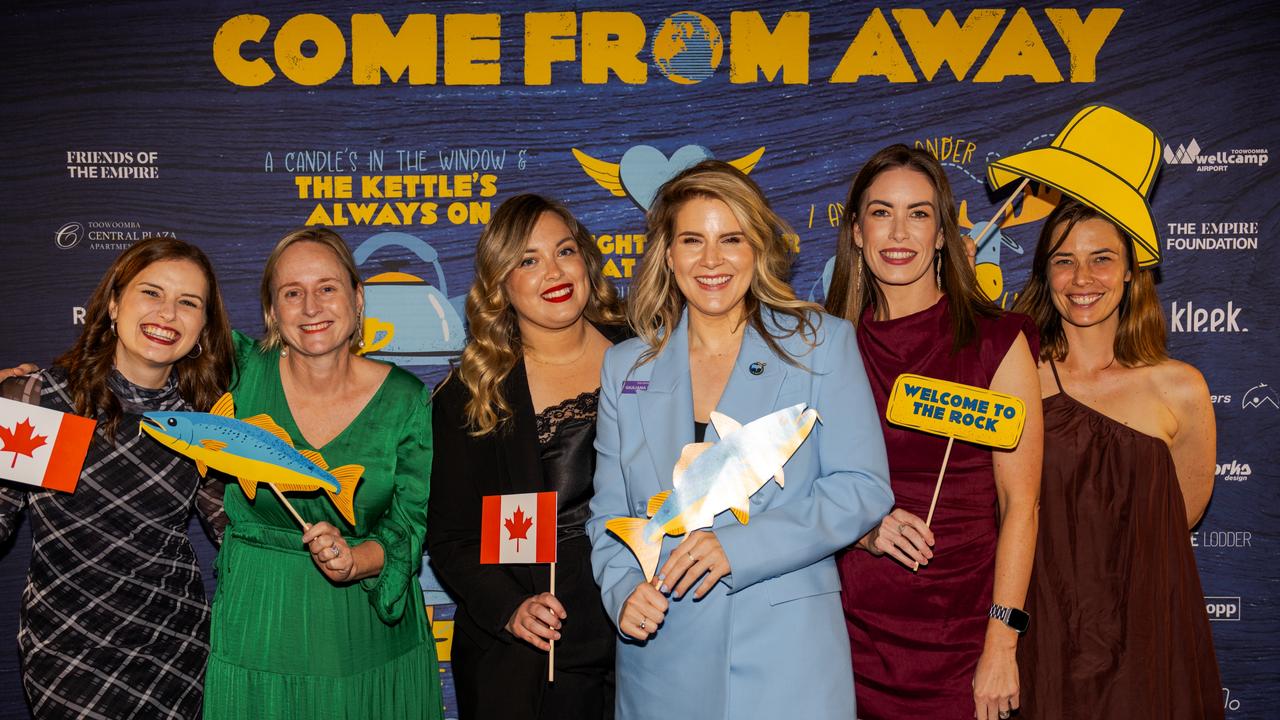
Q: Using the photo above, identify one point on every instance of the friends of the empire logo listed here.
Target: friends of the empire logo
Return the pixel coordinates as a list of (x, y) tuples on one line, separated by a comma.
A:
[(686, 47)]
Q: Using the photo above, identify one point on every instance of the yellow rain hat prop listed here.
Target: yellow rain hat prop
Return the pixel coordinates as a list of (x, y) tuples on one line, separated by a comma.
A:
[(1108, 161)]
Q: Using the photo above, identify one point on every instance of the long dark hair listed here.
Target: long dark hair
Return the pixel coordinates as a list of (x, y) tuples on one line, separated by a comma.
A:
[(201, 379), (851, 294)]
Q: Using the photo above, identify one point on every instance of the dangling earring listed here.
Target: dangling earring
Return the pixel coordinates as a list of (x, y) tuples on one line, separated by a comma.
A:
[(857, 274), (284, 352), (198, 350), (360, 327), (937, 274), (113, 326)]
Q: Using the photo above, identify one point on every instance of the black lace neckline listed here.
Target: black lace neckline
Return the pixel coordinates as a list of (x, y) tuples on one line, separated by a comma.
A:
[(553, 417)]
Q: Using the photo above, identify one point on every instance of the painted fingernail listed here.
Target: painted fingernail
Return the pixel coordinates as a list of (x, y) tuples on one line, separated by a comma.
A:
[(662, 576), (664, 589)]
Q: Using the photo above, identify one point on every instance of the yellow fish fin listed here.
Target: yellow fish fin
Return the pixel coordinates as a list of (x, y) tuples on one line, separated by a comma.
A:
[(724, 424), (250, 487), (631, 532), (202, 468), (747, 163), (213, 445), (344, 500), (676, 527), (225, 406), (687, 456), (742, 513), (606, 174), (315, 457), (656, 501), (265, 422), (782, 480)]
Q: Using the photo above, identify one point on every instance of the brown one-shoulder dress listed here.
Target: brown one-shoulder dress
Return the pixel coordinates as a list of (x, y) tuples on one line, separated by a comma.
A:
[(1118, 624)]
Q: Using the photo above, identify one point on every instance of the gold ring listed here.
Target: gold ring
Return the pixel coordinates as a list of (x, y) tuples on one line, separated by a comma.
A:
[(643, 622), (902, 527)]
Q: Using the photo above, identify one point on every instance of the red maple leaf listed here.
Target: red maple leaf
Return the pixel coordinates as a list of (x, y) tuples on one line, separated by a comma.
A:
[(518, 527), (20, 440)]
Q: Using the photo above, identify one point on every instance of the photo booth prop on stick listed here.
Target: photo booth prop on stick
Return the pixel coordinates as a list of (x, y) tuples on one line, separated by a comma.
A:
[(508, 520), (254, 450), (710, 478), (44, 447)]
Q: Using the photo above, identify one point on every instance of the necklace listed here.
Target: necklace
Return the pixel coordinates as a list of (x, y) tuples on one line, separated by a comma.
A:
[(561, 363)]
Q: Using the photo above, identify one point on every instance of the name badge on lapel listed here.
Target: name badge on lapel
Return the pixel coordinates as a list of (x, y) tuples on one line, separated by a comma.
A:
[(631, 387)]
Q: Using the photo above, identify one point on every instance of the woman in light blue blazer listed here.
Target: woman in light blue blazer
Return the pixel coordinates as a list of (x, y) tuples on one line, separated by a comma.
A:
[(741, 620)]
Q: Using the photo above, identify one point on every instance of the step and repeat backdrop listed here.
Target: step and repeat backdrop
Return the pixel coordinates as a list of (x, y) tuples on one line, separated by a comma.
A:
[(403, 127)]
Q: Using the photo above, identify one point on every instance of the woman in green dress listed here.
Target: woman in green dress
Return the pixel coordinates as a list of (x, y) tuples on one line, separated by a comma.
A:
[(329, 622)]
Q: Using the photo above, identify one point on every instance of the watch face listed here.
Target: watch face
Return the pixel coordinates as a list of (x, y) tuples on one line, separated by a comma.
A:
[(1019, 620)]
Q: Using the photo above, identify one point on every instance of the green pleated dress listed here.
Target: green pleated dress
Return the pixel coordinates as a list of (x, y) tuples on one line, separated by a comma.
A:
[(285, 641)]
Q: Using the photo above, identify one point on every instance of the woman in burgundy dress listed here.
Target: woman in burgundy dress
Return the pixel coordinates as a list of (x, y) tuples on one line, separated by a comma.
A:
[(1121, 629), (938, 642)]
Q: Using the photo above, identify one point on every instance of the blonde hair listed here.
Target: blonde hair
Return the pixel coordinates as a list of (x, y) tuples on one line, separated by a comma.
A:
[(321, 235), (495, 345), (1140, 339), (655, 303)]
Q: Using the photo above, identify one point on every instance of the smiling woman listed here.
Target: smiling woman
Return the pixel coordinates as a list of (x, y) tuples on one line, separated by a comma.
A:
[(114, 613)]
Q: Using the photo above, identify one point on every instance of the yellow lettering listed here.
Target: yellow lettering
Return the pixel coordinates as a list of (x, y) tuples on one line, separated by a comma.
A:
[(875, 51), (386, 216), (374, 49), (1084, 38), (613, 41), (754, 47), (1019, 51), (946, 42), (362, 213), (610, 268), (472, 49), (331, 49), (233, 34), (548, 38), (318, 216)]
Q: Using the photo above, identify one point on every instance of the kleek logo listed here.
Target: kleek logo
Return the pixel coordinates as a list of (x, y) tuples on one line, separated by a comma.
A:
[(1189, 154), (1222, 608), (1186, 317), (593, 48), (1260, 396), (68, 236), (1211, 236), (1233, 471)]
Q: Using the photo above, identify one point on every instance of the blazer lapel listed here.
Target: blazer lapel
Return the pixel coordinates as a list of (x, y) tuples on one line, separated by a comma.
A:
[(754, 384), (519, 437), (666, 406)]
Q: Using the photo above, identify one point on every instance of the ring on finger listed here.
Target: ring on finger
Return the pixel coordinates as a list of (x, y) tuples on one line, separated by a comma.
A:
[(643, 622), (902, 527), (336, 550), (1004, 714)]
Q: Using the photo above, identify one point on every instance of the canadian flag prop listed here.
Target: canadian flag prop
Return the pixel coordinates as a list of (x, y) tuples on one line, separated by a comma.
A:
[(42, 447), (518, 528)]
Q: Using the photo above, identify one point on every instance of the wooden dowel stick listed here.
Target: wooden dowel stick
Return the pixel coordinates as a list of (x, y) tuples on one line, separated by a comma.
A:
[(288, 506), (551, 656), (938, 487), (999, 216)]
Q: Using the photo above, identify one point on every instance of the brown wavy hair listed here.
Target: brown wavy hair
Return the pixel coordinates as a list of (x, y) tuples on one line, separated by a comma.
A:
[(271, 338), (655, 303), (1140, 339), (850, 296), (495, 345), (89, 362)]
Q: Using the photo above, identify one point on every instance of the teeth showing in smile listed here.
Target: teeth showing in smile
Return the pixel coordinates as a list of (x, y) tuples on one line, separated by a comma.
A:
[(1084, 299), (316, 327), (554, 294), (162, 334), (714, 280), (898, 254)]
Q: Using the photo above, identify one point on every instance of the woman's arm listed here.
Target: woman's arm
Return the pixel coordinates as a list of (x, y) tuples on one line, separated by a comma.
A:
[(1194, 443), (1017, 476)]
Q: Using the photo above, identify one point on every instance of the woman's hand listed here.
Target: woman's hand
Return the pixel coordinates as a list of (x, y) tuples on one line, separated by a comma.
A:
[(642, 612), (537, 620), (700, 554), (23, 369), (995, 682), (903, 537), (330, 552)]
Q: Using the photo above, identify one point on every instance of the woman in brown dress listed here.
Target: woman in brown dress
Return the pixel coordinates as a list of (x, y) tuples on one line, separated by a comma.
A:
[(1120, 628)]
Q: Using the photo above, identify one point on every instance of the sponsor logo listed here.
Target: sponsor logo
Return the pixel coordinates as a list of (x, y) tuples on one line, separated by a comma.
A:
[(1222, 608), (1233, 471), (1187, 317), (1220, 161), (1211, 236), (1260, 395), (112, 165), (1236, 539), (77, 315), (104, 234), (1229, 703), (1220, 399)]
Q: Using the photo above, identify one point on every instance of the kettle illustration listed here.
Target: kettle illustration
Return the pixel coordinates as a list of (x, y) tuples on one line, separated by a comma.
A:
[(407, 320)]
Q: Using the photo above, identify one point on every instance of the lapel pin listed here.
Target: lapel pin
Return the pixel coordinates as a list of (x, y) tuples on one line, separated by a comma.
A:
[(756, 368)]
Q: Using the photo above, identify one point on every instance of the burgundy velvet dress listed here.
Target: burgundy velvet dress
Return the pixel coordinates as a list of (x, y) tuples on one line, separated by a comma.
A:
[(1118, 625), (916, 637)]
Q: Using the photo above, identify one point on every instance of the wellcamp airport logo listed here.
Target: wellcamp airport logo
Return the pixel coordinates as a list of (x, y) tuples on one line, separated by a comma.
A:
[(1222, 608), (1220, 161)]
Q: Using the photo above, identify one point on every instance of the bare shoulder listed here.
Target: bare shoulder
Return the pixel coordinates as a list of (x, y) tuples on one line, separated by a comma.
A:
[(1181, 386)]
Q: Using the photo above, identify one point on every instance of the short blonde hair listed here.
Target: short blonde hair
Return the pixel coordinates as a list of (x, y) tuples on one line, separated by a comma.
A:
[(321, 235)]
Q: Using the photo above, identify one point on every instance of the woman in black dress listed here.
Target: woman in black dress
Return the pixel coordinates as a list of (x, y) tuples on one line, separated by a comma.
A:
[(115, 623), (518, 416)]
